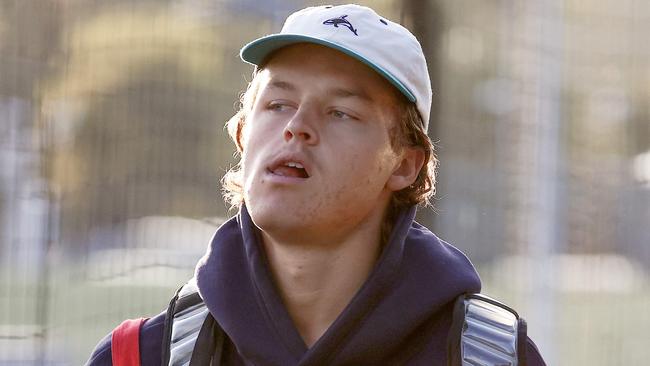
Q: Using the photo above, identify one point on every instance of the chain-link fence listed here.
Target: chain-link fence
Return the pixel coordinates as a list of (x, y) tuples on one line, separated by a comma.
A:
[(112, 146)]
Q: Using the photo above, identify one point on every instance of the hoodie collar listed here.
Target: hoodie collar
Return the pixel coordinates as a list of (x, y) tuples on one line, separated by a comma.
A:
[(416, 275)]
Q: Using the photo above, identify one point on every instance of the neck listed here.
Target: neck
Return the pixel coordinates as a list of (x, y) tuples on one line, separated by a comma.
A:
[(316, 282)]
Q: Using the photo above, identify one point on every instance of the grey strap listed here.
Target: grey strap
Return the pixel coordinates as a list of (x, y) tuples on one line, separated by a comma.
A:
[(489, 333), (186, 325)]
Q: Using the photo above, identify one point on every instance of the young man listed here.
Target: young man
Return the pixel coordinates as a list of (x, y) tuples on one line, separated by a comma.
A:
[(324, 264)]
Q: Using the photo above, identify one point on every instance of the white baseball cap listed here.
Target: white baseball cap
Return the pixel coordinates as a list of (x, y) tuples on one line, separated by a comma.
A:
[(387, 47)]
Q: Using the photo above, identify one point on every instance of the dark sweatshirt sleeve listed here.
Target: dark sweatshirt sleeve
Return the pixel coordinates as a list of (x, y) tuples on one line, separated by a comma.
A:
[(101, 356), (151, 335), (533, 357)]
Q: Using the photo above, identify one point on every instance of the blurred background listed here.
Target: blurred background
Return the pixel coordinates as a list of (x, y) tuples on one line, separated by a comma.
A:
[(112, 146)]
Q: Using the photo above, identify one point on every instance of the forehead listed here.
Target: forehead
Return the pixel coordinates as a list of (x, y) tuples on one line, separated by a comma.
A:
[(312, 66)]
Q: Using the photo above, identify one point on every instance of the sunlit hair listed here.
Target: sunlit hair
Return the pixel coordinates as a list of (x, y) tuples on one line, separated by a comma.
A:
[(408, 131)]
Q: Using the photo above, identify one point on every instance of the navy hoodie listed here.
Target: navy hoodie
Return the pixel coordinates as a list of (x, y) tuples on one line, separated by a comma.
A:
[(400, 315)]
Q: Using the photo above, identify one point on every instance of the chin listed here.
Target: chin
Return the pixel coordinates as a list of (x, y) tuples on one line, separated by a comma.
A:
[(269, 214)]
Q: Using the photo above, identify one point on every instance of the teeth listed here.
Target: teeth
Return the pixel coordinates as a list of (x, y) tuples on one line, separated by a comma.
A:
[(291, 164)]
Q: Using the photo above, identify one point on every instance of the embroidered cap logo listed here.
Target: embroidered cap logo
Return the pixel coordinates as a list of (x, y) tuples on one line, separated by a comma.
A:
[(341, 21)]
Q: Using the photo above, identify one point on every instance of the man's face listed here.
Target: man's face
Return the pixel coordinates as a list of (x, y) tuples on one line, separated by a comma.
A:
[(317, 157)]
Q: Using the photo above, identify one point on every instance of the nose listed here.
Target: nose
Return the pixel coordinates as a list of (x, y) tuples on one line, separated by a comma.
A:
[(301, 127)]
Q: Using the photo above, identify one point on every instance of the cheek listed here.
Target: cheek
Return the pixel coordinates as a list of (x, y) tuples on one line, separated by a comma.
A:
[(259, 129), (245, 135), (252, 140), (368, 171), (249, 159), (253, 160)]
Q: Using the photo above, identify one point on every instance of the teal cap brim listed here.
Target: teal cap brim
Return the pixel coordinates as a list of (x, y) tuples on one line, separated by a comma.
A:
[(257, 51)]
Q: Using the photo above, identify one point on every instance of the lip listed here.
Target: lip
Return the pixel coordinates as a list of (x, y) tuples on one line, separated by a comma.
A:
[(282, 179), (285, 158)]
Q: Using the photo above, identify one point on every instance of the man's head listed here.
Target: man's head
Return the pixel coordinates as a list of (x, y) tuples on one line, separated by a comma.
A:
[(332, 123)]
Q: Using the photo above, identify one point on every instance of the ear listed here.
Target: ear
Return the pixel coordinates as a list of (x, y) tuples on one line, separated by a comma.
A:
[(407, 169)]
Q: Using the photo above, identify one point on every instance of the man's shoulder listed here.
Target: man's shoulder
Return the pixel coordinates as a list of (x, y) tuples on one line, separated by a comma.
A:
[(101, 355), (151, 335)]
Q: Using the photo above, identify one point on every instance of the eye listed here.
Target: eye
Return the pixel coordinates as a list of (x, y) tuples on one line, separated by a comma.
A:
[(341, 115), (278, 106)]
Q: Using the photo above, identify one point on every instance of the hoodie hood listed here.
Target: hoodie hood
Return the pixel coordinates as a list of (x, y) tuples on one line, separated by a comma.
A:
[(415, 278)]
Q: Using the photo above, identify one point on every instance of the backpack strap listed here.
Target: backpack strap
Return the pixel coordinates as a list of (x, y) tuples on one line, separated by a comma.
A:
[(485, 332), (191, 335), (209, 344), (125, 343)]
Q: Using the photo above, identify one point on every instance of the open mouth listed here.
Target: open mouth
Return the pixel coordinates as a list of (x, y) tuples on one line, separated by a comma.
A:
[(289, 169)]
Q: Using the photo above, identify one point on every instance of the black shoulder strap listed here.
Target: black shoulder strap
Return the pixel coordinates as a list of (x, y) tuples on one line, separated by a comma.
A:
[(453, 337), (209, 344), (167, 328), (485, 332), (208, 348)]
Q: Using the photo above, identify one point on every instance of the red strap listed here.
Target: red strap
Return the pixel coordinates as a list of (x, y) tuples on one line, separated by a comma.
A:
[(125, 343)]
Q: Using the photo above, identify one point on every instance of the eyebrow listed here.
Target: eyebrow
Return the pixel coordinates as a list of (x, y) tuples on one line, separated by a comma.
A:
[(278, 84), (335, 92), (347, 93)]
